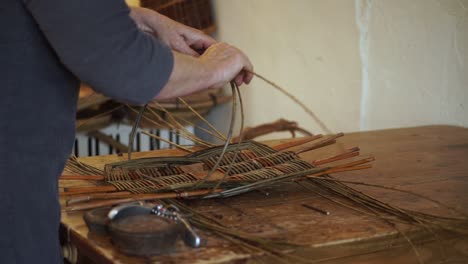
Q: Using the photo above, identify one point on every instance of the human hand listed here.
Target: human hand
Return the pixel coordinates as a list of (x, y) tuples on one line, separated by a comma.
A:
[(177, 36), (218, 65), (227, 63)]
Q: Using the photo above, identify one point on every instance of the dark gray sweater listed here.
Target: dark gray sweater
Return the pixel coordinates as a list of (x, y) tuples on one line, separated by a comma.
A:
[(46, 46)]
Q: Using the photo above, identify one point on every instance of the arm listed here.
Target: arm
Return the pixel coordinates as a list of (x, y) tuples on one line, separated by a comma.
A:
[(218, 64), (102, 46)]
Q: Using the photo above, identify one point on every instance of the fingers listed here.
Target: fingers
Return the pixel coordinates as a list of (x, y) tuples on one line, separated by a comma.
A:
[(243, 77), (239, 79), (203, 42), (187, 50), (194, 41), (244, 66), (248, 70), (197, 39), (227, 63), (207, 41), (181, 46), (248, 76)]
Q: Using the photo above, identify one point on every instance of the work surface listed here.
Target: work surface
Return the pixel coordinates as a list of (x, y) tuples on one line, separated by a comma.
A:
[(432, 161)]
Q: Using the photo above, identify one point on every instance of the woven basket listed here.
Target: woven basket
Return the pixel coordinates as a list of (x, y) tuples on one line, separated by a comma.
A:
[(194, 13)]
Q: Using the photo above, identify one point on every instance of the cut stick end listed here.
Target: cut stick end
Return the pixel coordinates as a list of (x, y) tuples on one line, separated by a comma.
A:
[(355, 149)]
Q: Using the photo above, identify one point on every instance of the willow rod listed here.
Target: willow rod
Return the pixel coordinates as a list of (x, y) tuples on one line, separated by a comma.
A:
[(131, 139), (399, 190), (82, 177), (295, 143), (328, 141), (136, 198), (211, 133), (345, 155), (169, 125), (98, 196), (178, 126), (97, 116), (228, 139), (168, 142), (203, 119), (179, 130), (241, 134), (297, 101)]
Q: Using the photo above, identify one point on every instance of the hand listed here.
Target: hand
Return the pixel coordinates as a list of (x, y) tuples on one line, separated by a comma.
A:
[(227, 63), (177, 36), (218, 65)]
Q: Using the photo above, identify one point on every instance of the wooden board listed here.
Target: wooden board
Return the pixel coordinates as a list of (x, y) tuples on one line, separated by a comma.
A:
[(432, 161)]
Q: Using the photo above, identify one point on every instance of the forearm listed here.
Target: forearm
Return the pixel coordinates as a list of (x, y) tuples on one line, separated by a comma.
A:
[(188, 76), (144, 17)]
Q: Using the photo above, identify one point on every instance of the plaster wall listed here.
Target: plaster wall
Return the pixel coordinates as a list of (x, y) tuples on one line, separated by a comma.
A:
[(418, 64), (308, 47), (359, 65)]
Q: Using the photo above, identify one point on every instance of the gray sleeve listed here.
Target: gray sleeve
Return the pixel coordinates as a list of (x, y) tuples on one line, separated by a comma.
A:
[(102, 46)]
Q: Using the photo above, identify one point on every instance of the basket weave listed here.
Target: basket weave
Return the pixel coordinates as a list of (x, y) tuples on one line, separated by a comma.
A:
[(194, 13)]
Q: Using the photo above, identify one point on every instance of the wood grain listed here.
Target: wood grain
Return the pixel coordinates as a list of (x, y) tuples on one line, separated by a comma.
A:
[(431, 161)]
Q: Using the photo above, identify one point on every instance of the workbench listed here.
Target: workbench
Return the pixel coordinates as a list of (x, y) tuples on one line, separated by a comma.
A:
[(431, 161)]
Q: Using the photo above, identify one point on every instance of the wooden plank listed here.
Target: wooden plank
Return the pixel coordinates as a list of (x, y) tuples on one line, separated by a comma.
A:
[(427, 160)]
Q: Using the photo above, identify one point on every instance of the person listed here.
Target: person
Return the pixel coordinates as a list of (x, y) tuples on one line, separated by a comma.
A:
[(46, 47)]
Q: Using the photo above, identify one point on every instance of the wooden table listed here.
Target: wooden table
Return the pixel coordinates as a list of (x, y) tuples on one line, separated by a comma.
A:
[(431, 161)]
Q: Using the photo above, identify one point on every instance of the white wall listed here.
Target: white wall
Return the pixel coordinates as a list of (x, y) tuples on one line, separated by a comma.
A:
[(418, 64), (359, 65)]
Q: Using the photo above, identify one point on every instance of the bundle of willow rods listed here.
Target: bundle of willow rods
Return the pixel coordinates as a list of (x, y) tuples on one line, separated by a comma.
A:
[(75, 166), (260, 167), (275, 250), (329, 187)]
